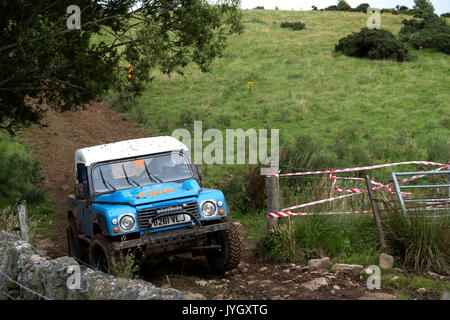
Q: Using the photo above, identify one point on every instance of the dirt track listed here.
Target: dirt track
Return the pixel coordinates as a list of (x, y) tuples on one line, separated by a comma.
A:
[(54, 146)]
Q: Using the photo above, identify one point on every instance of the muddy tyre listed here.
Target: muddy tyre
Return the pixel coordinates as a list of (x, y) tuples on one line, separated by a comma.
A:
[(229, 256), (77, 247), (100, 253)]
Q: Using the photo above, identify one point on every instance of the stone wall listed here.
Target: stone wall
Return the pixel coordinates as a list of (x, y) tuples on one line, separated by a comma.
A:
[(48, 278)]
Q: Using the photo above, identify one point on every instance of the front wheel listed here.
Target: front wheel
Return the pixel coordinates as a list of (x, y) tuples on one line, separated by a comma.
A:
[(100, 253), (229, 256)]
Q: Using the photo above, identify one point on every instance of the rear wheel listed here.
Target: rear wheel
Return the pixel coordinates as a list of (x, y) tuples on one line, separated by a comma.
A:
[(229, 256), (100, 253), (77, 247)]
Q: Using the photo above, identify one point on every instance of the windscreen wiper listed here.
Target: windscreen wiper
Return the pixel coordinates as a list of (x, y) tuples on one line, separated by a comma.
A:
[(104, 181), (128, 178), (151, 176)]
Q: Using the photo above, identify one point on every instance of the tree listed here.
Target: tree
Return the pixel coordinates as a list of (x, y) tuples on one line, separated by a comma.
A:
[(362, 8), (429, 31), (46, 65), (343, 6), (423, 9)]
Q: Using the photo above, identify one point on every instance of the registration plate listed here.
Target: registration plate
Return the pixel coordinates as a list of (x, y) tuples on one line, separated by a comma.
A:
[(171, 220)]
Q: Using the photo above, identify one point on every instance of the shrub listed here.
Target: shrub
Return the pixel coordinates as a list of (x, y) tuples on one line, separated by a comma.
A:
[(445, 15), (122, 100), (19, 173), (343, 6), (429, 32), (124, 266), (293, 25), (378, 44), (245, 189), (21, 179), (331, 8), (361, 8)]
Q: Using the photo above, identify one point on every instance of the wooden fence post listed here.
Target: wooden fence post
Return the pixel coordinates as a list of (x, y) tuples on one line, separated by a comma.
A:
[(373, 202), (448, 179), (273, 200), (23, 221)]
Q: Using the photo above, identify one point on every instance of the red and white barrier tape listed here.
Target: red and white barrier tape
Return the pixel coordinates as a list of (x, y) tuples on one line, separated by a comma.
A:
[(351, 192), (427, 163), (380, 185), (290, 213)]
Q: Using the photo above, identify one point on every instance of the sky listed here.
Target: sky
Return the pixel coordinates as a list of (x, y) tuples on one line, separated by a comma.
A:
[(440, 6)]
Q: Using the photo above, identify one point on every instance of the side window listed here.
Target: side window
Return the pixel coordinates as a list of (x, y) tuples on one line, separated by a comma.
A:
[(82, 178)]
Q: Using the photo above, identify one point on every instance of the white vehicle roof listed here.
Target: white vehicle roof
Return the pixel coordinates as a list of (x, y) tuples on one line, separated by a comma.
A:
[(127, 148)]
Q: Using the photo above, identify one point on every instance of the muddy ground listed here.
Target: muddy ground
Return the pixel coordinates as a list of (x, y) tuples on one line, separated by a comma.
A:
[(54, 146)]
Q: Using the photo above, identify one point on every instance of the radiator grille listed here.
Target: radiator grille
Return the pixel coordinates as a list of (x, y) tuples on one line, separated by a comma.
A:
[(145, 215)]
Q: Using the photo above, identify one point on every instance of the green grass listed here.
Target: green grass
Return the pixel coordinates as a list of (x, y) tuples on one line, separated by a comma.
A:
[(405, 286), (20, 179), (343, 239), (353, 111), (360, 111)]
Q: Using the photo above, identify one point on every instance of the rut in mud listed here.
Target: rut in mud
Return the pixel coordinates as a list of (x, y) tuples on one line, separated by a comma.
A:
[(54, 145)]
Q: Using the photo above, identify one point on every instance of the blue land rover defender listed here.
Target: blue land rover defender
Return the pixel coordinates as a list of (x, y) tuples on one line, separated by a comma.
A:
[(145, 196)]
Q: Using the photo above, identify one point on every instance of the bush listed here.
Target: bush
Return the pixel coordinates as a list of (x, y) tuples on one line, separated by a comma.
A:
[(429, 32), (20, 179), (124, 266), (293, 25), (361, 8), (245, 189), (378, 44), (122, 100), (19, 173), (343, 6)]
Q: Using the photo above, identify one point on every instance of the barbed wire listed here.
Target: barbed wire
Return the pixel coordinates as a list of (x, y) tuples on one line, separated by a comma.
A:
[(10, 297), (24, 287)]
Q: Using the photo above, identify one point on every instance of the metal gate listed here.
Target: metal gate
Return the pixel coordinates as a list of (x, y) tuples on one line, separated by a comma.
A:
[(441, 203)]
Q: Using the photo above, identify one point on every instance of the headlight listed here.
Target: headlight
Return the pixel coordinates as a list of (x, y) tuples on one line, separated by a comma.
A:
[(208, 208), (127, 222)]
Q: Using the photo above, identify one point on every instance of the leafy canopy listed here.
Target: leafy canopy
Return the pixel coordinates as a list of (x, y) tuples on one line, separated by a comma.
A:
[(44, 64)]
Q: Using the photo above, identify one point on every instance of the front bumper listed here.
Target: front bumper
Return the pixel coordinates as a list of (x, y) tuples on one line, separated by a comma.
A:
[(170, 238)]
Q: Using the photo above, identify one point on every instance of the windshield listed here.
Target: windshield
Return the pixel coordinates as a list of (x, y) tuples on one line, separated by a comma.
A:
[(140, 172)]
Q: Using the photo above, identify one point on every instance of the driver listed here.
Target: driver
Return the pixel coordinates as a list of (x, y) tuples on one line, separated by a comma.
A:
[(164, 168)]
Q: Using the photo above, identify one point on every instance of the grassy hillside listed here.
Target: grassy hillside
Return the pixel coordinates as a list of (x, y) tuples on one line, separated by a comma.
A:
[(360, 111), (349, 111)]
